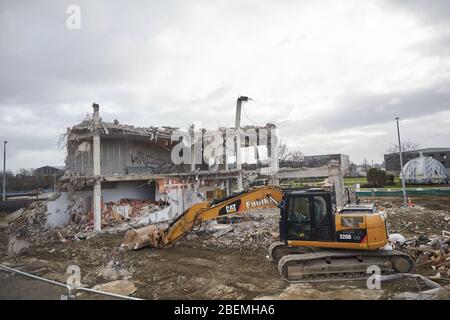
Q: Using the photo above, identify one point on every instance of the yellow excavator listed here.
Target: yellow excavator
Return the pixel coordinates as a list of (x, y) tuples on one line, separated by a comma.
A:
[(317, 242)]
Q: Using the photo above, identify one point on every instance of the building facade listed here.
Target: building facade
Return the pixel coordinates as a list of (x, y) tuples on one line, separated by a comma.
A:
[(325, 159), (48, 171)]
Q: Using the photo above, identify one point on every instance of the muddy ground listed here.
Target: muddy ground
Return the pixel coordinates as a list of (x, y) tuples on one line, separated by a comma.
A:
[(190, 269)]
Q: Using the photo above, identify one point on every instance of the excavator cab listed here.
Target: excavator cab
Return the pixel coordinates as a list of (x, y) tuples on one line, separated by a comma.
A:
[(307, 215), (309, 218)]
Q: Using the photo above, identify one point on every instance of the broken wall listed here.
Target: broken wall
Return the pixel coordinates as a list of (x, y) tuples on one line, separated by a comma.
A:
[(119, 156), (57, 211), (135, 190)]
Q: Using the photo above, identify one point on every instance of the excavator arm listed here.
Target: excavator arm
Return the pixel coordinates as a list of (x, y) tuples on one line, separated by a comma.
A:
[(255, 198)]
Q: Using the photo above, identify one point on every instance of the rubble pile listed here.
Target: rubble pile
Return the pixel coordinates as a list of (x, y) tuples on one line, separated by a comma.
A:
[(71, 181), (257, 229), (431, 252), (427, 235), (125, 210), (416, 220), (35, 213), (30, 223)]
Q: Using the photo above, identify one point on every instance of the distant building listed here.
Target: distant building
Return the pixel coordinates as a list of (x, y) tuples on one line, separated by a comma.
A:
[(360, 171), (49, 171), (320, 161), (425, 170), (392, 160), (325, 159)]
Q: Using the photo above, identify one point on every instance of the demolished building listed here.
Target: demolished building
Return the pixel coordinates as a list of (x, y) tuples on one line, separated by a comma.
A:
[(136, 163), (111, 168)]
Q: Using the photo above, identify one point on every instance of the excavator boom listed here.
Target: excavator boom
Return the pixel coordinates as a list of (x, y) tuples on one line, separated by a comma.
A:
[(254, 198)]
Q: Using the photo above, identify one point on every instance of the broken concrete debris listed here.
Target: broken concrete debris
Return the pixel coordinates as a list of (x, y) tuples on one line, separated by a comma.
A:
[(415, 221), (256, 229), (424, 237), (114, 271), (29, 226), (17, 246), (425, 233), (140, 238), (122, 287), (125, 210)]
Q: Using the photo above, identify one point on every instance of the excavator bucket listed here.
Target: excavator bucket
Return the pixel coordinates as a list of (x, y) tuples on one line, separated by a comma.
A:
[(149, 236)]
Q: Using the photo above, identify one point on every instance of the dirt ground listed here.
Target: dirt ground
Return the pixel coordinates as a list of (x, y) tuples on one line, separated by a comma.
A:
[(190, 269), (184, 271)]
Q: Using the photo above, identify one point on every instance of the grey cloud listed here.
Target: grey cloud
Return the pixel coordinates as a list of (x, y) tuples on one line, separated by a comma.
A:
[(365, 110), (430, 12)]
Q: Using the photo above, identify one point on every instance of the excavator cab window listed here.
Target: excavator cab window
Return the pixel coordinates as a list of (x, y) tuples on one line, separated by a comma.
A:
[(320, 208), (322, 219), (307, 217), (299, 218)]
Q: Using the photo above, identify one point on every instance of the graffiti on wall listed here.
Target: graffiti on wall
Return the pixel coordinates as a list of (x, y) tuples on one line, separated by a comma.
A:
[(149, 160), (142, 159)]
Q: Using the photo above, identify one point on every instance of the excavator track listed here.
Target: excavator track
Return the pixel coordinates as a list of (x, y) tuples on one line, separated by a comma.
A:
[(336, 265), (279, 249)]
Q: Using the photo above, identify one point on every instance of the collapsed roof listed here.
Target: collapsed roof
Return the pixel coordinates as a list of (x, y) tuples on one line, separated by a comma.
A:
[(107, 128), (85, 129)]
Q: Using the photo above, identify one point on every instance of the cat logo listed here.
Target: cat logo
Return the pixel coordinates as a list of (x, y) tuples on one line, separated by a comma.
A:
[(232, 207)]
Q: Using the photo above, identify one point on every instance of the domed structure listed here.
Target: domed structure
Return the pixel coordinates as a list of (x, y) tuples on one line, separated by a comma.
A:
[(425, 170)]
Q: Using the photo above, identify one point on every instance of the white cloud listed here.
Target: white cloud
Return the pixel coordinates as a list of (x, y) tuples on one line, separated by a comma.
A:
[(395, 101), (173, 63)]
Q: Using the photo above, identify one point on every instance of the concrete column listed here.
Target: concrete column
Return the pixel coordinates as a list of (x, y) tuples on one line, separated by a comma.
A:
[(225, 152), (229, 150), (274, 180), (4, 171), (338, 182), (227, 187), (192, 133), (97, 170), (238, 160), (274, 149), (237, 127)]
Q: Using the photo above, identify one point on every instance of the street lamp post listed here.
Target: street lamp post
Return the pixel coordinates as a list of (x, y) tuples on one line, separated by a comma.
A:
[(401, 163), (4, 170)]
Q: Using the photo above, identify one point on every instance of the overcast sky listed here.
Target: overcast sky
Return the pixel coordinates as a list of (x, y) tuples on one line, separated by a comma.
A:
[(331, 74)]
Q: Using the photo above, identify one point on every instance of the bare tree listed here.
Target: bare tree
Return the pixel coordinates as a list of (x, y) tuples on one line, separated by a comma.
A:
[(26, 172), (283, 151), (365, 165), (406, 146), (353, 168), (295, 156)]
